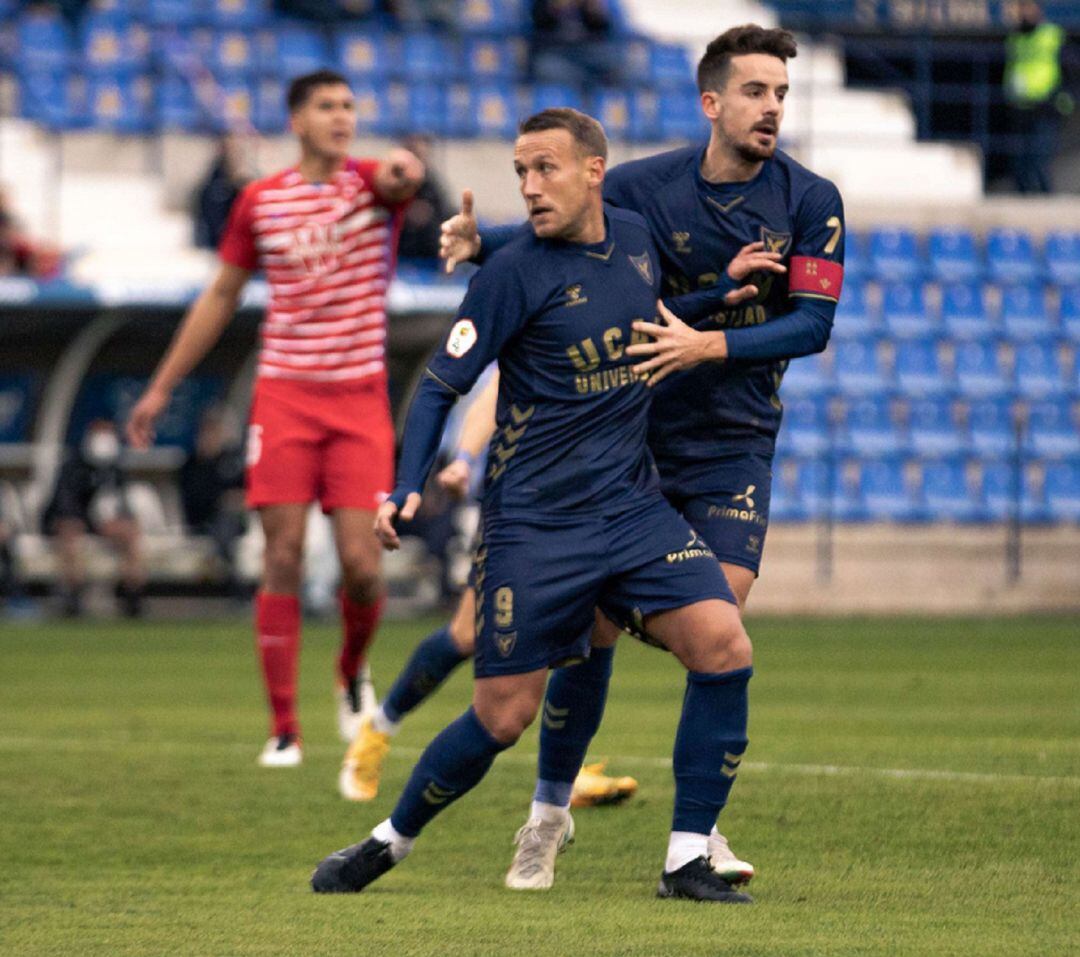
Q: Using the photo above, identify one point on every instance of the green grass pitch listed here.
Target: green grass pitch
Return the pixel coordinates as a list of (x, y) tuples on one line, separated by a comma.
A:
[(912, 788)]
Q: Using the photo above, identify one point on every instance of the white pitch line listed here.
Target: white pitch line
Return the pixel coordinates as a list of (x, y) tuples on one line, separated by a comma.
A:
[(12, 743)]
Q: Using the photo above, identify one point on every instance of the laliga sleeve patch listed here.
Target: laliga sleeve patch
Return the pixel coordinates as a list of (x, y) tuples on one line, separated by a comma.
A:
[(819, 278), (462, 338)]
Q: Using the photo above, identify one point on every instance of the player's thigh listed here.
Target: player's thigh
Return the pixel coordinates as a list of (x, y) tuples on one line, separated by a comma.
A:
[(706, 636), (605, 632), (463, 623), (283, 454), (357, 467), (537, 586), (740, 579), (354, 536), (507, 704)]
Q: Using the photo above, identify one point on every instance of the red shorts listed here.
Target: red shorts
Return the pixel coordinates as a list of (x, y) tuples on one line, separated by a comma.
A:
[(327, 442)]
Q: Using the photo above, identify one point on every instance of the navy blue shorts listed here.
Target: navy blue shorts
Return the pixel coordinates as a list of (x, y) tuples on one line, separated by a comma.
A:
[(539, 579), (734, 515)]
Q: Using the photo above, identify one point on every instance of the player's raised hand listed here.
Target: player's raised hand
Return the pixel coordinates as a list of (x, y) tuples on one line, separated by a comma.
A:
[(459, 239), (400, 175), (144, 414), (454, 479), (674, 346), (753, 258), (388, 514)]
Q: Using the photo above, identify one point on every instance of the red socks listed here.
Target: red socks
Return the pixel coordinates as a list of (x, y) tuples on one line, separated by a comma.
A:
[(277, 636), (358, 628)]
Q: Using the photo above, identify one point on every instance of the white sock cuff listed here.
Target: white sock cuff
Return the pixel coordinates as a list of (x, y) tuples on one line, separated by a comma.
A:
[(548, 812), (381, 723), (684, 847), (400, 845)]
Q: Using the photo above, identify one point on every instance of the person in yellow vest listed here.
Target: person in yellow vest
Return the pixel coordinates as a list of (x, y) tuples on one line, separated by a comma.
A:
[(1035, 94)]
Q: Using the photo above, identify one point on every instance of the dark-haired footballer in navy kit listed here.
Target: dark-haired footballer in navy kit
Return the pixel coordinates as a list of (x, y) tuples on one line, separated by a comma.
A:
[(573, 517)]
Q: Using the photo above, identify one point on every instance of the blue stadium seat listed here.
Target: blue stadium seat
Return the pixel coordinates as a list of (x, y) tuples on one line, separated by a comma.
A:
[(806, 425), (964, 313), (870, 428), (366, 53), (1052, 429), (1069, 313), (489, 59), (644, 116), (612, 108), (981, 370), (991, 426), (855, 317), (785, 505), (495, 17), (120, 10), (235, 54), (1062, 252), (235, 108), (110, 45), (903, 305), (894, 254), (859, 368), (543, 96), (52, 100), (427, 108), (888, 491), (428, 57), (821, 486), (494, 111), (1043, 369), (271, 115), (933, 429), (381, 108), (856, 258), (239, 14), (177, 14), (669, 65), (1011, 256), (953, 255), (43, 41), (951, 492), (300, 50), (999, 487), (177, 107), (680, 114), (184, 52), (1063, 491), (808, 376), (1024, 314), (16, 405), (920, 370), (121, 104)]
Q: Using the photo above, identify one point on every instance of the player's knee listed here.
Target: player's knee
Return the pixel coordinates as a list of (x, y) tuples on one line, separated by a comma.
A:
[(723, 646), (362, 581), (507, 722), (463, 628), (283, 561)]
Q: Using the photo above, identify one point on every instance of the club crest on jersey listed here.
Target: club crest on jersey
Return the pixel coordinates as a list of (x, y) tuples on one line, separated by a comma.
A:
[(682, 242), (775, 242), (461, 339), (505, 643), (314, 248), (574, 296), (643, 265)]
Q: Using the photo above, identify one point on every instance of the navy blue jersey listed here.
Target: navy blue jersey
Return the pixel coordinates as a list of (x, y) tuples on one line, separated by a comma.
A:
[(571, 417), (699, 227)]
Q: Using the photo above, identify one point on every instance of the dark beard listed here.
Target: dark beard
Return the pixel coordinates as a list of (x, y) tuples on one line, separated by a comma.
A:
[(754, 154)]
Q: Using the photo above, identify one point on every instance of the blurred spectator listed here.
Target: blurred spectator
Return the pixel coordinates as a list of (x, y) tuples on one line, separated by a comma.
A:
[(573, 42), (326, 11), (71, 10), (92, 496), (20, 256), (212, 490), (214, 198), (417, 14), (420, 230), (1035, 94)]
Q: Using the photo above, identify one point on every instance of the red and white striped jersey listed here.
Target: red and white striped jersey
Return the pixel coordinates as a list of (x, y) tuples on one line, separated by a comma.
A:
[(328, 251)]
